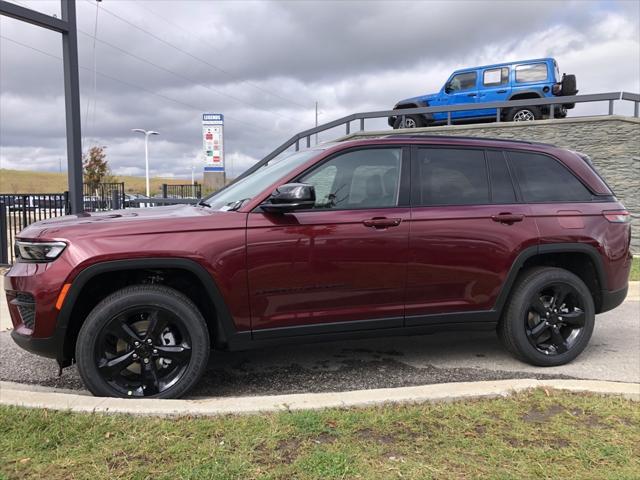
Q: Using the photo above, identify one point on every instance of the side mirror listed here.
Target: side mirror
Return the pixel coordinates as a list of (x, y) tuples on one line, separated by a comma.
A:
[(448, 88), (290, 197)]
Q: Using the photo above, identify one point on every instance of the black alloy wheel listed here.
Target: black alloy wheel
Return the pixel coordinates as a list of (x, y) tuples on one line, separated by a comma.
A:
[(143, 351), (548, 318), (555, 318), (143, 341)]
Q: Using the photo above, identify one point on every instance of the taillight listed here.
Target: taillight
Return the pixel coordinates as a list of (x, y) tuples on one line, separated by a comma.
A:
[(617, 216), (556, 89)]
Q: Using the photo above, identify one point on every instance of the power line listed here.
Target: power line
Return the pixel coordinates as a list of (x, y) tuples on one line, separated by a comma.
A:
[(179, 102), (95, 79), (160, 67), (232, 75), (185, 52)]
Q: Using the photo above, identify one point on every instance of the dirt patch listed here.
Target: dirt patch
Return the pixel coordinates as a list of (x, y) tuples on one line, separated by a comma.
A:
[(591, 420), (594, 421), (555, 443), (324, 439), (121, 459), (538, 416), (289, 450), (370, 435)]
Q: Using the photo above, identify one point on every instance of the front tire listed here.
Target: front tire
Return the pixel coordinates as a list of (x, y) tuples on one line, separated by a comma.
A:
[(549, 318), (144, 341), (524, 114)]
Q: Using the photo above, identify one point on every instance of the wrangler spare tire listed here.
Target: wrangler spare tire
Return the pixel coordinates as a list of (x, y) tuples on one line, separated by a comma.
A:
[(569, 86)]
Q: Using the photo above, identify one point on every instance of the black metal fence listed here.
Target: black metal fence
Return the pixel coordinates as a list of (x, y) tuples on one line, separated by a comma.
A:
[(103, 196), (17, 211), (182, 191)]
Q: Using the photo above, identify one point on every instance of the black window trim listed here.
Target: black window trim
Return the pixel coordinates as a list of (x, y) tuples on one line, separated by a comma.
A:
[(594, 196), (404, 195), (514, 185)]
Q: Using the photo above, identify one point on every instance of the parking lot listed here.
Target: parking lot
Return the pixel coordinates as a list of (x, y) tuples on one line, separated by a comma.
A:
[(613, 354)]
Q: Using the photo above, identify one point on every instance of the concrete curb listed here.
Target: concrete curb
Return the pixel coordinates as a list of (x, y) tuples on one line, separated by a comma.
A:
[(10, 394)]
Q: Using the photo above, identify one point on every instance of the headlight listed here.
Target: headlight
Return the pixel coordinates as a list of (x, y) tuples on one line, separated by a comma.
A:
[(38, 251)]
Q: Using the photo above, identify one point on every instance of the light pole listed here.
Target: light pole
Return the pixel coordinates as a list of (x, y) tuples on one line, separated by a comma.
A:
[(146, 151)]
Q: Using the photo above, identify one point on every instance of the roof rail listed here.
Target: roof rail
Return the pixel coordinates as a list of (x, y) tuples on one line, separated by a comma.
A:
[(463, 137)]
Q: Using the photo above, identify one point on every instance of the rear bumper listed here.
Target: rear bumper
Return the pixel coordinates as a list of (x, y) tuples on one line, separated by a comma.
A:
[(611, 299)]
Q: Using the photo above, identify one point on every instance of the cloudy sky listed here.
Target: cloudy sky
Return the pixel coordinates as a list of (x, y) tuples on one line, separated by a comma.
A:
[(161, 64)]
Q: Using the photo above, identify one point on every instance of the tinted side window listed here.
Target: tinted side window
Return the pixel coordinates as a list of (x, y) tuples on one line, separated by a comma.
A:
[(501, 185), (358, 179), (536, 72), (452, 177), (495, 76), (543, 179), (463, 81)]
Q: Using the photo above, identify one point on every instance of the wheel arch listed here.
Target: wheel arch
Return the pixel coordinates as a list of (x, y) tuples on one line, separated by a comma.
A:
[(581, 259), (523, 95), (205, 294)]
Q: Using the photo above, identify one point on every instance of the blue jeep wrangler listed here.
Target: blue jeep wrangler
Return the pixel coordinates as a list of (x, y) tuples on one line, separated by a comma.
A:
[(493, 83)]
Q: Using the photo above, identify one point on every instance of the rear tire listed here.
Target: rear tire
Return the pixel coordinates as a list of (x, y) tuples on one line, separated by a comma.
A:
[(411, 121), (144, 341), (524, 114), (530, 328)]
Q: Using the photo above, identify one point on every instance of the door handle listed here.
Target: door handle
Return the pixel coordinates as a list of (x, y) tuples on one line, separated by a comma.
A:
[(471, 94), (501, 91), (508, 218), (382, 222)]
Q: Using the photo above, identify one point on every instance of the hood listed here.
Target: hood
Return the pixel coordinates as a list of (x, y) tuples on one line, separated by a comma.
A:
[(421, 99), (130, 221)]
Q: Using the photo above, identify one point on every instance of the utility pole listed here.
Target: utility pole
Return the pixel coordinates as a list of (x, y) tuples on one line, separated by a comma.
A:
[(316, 121), (146, 133)]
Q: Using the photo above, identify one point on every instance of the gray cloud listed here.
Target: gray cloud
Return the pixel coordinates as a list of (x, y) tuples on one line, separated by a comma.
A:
[(265, 63)]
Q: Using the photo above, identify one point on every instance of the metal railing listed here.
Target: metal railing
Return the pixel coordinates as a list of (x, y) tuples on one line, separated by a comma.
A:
[(552, 102), (182, 190), (145, 202)]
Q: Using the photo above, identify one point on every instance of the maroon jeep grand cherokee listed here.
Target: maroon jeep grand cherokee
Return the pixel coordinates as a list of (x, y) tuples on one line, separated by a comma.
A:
[(386, 236)]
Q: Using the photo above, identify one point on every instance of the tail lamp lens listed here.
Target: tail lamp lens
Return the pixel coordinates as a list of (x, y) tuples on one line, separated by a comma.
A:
[(617, 216)]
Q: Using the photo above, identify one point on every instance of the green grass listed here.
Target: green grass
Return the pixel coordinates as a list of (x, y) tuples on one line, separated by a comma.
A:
[(537, 434), (635, 270)]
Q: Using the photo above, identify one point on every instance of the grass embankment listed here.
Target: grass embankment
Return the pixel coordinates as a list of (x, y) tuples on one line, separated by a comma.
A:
[(537, 434), (23, 181)]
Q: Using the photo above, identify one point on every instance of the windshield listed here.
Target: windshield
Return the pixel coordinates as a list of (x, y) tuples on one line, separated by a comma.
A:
[(245, 189)]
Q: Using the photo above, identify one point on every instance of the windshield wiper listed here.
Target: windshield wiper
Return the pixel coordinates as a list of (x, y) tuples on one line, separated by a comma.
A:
[(202, 203), (237, 204)]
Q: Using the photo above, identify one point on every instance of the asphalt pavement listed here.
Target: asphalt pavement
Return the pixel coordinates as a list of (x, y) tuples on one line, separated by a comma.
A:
[(613, 354)]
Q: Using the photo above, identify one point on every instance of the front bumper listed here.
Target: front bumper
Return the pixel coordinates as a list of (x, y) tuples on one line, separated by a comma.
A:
[(36, 330), (45, 347)]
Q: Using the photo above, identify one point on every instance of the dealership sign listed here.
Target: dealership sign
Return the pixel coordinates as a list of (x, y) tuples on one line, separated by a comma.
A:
[(212, 141)]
